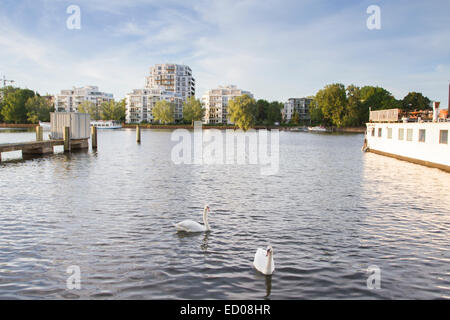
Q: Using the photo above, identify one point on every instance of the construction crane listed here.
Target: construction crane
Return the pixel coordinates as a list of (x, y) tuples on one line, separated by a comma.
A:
[(5, 81)]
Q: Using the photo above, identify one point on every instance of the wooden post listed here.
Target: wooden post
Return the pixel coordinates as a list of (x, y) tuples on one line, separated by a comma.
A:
[(138, 134), (66, 139), (94, 137), (39, 134)]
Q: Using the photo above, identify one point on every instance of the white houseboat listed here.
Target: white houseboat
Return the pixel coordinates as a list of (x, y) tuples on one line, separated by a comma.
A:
[(106, 124), (421, 142)]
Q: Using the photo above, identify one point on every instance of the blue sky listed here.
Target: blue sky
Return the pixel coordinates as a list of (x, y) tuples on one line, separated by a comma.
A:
[(275, 49)]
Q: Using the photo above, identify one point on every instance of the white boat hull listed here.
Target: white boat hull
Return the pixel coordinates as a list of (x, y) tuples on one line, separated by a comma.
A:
[(387, 139)]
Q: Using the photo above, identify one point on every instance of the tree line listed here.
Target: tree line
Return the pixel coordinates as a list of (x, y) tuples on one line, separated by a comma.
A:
[(26, 106), (110, 110), (244, 111), (23, 106), (340, 106)]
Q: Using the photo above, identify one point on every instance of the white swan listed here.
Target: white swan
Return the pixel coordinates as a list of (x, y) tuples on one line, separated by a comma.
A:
[(192, 226), (263, 261)]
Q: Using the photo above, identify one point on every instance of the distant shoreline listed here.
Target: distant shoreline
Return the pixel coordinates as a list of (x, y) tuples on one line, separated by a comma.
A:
[(18, 125), (186, 126)]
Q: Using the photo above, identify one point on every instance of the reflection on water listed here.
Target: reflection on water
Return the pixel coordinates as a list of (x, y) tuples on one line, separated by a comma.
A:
[(268, 285), (330, 213)]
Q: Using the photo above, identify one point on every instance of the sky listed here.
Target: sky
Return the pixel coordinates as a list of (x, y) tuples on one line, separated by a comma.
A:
[(275, 49)]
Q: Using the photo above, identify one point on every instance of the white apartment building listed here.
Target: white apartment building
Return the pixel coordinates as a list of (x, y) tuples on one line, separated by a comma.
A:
[(69, 100), (216, 101), (301, 105), (140, 103), (170, 82), (173, 78)]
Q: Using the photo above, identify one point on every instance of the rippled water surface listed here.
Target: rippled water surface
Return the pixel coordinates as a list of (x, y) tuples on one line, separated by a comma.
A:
[(330, 213)]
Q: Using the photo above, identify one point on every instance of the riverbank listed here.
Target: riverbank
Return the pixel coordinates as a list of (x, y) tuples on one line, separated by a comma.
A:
[(204, 126), (18, 125), (351, 130)]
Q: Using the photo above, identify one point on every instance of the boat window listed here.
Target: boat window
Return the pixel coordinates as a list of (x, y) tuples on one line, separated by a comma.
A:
[(373, 132), (409, 134), (443, 136), (389, 133), (380, 132), (421, 135), (401, 134)]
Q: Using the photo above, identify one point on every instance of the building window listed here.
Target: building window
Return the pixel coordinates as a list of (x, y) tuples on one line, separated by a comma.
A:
[(409, 134), (380, 132), (389, 133), (421, 135), (443, 136), (373, 132), (401, 134)]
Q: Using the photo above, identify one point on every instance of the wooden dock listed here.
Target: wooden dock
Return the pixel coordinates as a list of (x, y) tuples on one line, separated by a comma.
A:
[(41, 147)]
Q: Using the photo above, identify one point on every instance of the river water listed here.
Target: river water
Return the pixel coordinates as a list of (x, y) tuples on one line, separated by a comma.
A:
[(330, 213)]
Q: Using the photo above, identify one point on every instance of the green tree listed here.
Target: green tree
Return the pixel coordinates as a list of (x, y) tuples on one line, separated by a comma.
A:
[(273, 112), (262, 107), (113, 110), (193, 110), (242, 111), (332, 100), (315, 112), (416, 101), (91, 108), (38, 109), (163, 111), (295, 118), (14, 110), (354, 108)]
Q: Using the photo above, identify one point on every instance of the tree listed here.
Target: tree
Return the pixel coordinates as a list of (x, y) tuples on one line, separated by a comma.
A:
[(262, 107), (354, 109), (14, 110), (91, 108), (295, 118), (315, 112), (242, 111), (273, 112), (3, 92), (416, 101), (193, 110), (38, 109), (332, 100), (163, 111), (113, 110)]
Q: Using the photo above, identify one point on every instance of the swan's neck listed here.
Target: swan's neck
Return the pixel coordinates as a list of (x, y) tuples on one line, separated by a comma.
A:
[(269, 263), (205, 219)]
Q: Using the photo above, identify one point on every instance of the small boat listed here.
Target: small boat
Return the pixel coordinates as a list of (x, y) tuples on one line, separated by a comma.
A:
[(107, 124), (317, 129), (299, 129), (45, 125)]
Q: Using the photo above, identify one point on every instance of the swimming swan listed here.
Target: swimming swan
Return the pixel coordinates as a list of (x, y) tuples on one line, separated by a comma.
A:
[(192, 226), (263, 261)]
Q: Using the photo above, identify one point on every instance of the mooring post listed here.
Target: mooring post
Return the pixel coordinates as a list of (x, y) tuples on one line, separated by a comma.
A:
[(138, 134), (39, 133), (66, 139), (94, 137)]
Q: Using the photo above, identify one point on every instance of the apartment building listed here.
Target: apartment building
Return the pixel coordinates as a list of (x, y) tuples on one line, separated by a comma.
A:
[(216, 101), (169, 82), (69, 100), (140, 104), (172, 78), (300, 105)]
